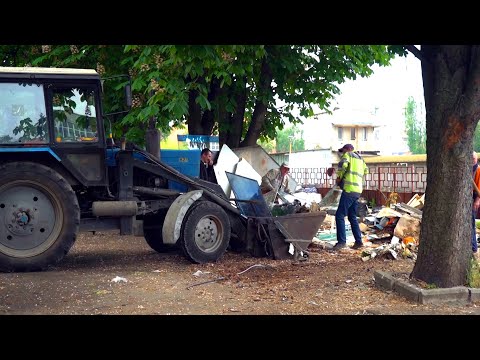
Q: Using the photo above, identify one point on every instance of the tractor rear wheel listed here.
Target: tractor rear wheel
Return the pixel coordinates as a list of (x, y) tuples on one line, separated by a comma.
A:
[(39, 217)]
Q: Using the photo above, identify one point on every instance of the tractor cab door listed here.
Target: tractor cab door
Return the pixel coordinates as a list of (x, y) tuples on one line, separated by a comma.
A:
[(78, 134)]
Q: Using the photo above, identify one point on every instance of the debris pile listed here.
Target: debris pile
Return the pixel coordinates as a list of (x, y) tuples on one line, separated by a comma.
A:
[(388, 231)]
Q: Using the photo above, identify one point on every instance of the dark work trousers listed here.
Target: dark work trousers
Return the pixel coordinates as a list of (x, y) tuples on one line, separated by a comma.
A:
[(347, 207)]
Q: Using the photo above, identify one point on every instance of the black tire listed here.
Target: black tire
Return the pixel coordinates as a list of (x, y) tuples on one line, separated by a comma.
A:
[(205, 232), (152, 231), (39, 217)]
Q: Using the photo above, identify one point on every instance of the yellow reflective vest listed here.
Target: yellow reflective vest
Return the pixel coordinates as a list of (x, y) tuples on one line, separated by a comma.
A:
[(351, 170)]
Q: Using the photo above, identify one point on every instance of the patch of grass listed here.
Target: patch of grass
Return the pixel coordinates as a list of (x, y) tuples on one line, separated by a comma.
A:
[(473, 276), (430, 286), (477, 223)]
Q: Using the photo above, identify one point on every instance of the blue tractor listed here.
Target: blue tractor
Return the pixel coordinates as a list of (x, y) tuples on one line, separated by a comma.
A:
[(58, 176)]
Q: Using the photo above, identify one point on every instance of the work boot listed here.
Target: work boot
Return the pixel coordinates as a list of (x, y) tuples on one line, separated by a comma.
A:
[(339, 246), (357, 246)]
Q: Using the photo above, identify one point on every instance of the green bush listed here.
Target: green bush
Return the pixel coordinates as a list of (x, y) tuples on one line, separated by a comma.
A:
[(473, 276)]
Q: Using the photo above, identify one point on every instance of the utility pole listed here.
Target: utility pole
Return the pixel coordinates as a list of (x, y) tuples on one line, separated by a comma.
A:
[(290, 138)]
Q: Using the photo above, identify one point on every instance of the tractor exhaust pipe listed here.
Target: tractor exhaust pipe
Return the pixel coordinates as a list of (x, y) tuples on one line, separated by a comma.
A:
[(114, 208)]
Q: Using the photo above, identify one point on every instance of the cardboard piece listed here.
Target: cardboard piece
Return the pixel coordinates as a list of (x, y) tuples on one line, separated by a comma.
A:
[(227, 161)]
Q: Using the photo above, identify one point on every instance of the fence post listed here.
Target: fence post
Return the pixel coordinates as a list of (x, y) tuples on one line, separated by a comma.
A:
[(394, 179)]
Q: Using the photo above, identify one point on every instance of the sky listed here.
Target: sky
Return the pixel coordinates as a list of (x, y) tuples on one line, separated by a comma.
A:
[(385, 92), (388, 88)]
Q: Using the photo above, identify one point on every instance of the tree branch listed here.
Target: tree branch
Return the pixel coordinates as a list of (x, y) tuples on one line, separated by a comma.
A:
[(416, 52)]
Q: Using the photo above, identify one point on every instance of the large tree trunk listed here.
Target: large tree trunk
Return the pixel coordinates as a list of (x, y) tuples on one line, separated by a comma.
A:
[(451, 75), (152, 138), (260, 110), (194, 114), (208, 119), (230, 130), (202, 123)]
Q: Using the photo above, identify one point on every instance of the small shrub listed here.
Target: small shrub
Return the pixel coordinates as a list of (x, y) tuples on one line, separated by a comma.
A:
[(473, 276)]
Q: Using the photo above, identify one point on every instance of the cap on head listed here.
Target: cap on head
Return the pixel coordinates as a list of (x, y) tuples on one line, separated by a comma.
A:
[(346, 147), (285, 164)]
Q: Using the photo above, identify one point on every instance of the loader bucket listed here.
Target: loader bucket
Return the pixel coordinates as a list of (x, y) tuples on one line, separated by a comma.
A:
[(269, 235), (299, 229)]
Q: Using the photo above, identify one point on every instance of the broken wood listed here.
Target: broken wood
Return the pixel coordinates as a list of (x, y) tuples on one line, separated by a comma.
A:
[(409, 210)]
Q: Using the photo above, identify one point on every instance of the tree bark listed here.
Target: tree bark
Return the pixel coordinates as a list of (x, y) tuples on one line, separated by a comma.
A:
[(451, 75), (260, 110), (208, 119), (194, 114), (235, 134), (152, 137), (231, 125)]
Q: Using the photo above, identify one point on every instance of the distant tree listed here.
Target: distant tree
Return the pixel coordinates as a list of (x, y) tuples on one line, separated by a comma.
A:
[(416, 129), (293, 134), (268, 144)]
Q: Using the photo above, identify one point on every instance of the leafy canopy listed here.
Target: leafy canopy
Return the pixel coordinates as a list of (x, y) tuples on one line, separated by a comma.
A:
[(169, 80)]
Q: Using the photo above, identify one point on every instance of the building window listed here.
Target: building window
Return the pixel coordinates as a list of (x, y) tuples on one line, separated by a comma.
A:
[(340, 133), (352, 133), (365, 132)]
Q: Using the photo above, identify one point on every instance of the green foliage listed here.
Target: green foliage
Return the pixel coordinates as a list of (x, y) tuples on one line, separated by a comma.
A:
[(416, 130), (267, 144), (473, 274), (372, 203), (164, 77), (31, 130), (289, 135), (476, 139)]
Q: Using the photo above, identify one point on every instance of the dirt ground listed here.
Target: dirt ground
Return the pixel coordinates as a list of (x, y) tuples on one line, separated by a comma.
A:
[(327, 283)]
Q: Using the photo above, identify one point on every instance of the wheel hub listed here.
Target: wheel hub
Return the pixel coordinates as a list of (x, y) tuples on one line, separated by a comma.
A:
[(207, 234), (22, 218), (28, 218), (21, 222)]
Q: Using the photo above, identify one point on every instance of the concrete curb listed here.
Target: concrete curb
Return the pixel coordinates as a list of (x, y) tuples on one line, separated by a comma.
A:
[(459, 294)]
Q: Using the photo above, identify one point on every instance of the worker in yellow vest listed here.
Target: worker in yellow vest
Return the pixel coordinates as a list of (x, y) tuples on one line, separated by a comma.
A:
[(350, 173)]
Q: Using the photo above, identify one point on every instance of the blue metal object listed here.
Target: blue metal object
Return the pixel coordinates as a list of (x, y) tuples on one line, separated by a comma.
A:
[(30, 149), (185, 161), (248, 195), (111, 158)]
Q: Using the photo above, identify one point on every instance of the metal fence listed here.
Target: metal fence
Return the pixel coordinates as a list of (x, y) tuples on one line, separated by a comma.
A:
[(380, 180)]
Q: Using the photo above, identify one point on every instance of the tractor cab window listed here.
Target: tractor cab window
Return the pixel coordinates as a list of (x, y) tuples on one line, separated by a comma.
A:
[(74, 115), (22, 114)]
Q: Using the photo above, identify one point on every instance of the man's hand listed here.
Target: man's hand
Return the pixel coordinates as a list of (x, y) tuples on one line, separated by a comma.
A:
[(476, 204), (338, 180)]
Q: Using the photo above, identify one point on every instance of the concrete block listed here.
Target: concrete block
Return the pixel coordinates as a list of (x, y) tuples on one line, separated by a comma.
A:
[(383, 280), (444, 295), (407, 290), (474, 294)]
